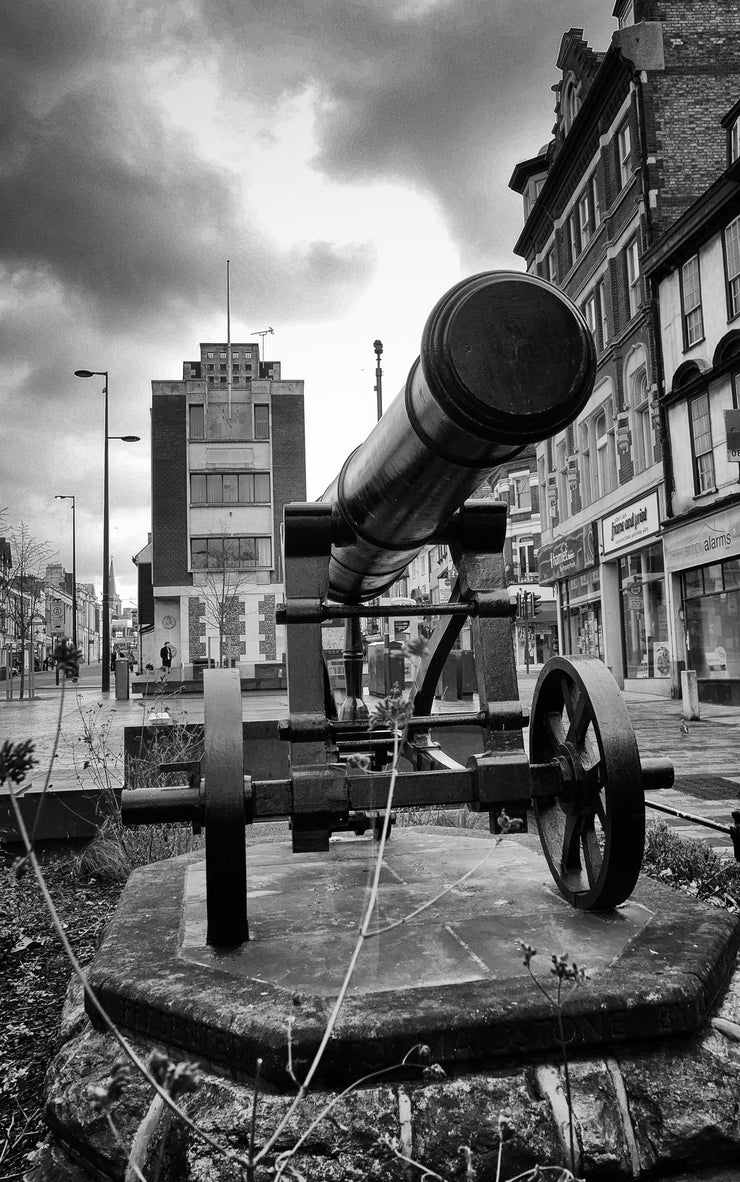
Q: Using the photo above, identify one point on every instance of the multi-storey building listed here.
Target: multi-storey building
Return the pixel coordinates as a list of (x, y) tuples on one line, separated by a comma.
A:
[(695, 271), (228, 452), (637, 137), (515, 483)]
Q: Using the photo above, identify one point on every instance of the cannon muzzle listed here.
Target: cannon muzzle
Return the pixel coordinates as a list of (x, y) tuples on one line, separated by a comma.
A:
[(506, 360)]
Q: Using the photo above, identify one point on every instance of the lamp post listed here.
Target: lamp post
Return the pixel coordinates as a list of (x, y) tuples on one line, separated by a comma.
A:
[(378, 347), (74, 568), (105, 622)]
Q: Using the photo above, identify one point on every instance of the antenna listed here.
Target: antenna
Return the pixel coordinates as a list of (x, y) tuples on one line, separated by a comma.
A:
[(264, 332)]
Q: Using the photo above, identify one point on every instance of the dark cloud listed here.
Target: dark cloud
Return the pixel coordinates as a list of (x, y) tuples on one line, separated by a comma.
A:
[(104, 194), (444, 96)]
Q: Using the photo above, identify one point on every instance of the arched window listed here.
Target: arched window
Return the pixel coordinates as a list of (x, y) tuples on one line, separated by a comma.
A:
[(569, 103), (685, 375), (606, 454), (642, 434)]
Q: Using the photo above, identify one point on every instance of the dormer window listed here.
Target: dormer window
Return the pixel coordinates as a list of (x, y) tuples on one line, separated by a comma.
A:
[(569, 104)]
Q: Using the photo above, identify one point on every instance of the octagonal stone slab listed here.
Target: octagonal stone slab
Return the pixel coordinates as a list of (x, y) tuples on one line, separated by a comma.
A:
[(450, 978)]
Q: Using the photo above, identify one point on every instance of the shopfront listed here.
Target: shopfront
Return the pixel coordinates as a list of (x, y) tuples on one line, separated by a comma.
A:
[(704, 557), (570, 564), (633, 550)]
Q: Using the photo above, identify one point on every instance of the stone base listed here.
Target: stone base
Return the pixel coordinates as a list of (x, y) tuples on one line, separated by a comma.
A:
[(665, 1111), (653, 1037), (451, 978)]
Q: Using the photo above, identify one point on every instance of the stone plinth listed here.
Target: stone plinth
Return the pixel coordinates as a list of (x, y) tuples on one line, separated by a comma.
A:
[(451, 978)]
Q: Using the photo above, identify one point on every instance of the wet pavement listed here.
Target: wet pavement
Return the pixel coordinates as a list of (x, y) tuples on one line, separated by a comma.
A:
[(705, 754)]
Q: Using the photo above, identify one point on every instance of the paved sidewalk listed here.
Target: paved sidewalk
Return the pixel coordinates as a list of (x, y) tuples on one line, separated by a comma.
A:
[(706, 760)]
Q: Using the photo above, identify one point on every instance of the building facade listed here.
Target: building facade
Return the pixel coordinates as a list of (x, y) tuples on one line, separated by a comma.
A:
[(228, 452), (637, 138), (695, 272)]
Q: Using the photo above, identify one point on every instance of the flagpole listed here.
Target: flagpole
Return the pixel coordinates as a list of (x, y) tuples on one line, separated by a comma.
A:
[(228, 332)]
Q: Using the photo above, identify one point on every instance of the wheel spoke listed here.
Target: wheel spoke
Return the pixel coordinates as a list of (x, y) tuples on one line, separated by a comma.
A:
[(601, 811), (580, 715), (571, 857), (592, 855)]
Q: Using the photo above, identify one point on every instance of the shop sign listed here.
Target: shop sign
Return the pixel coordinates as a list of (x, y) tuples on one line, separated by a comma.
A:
[(635, 521), (732, 429), (573, 552), (709, 540)]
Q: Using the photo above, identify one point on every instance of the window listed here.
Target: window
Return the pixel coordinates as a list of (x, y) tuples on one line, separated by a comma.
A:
[(732, 268), (521, 497), (734, 141), (233, 355), (585, 217), (693, 321), (549, 267), (209, 367), (211, 357), (197, 421), (226, 488), (701, 444), (222, 368), (261, 422), (591, 314), (603, 319), (222, 356), (642, 437), (569, 105), (594, 311), (628, 16), (562, 480), (606, 456), (574, 236), (633, 276), (624, 154), (525, 563), (231, 553), (585, 455)]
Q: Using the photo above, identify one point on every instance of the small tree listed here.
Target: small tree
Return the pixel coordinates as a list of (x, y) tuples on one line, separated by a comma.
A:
[(220, 594), (22, 586)]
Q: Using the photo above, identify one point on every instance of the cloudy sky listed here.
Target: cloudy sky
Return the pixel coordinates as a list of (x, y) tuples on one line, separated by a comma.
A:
[(350, 157)]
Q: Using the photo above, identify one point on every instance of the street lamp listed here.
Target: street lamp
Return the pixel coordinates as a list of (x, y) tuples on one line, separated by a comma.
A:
[(74, 569), (105, 623)]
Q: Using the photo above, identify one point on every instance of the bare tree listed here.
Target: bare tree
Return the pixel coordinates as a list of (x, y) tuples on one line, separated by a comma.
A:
[(219, 591), (22, 586)]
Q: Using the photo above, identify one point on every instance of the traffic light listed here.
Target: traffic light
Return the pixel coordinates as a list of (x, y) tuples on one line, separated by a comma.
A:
[(536, 601)]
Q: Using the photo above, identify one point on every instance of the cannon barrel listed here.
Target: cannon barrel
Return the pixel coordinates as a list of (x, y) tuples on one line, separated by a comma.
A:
[(506, 360)]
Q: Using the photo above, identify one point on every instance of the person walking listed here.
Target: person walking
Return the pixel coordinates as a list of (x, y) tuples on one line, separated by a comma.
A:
[(165, 655)]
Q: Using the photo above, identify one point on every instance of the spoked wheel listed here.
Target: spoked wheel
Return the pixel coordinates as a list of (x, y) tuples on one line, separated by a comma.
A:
[(223, 769), (593, 832)]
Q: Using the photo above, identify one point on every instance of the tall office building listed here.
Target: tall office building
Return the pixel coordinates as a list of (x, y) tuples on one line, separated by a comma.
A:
[(228, 452)]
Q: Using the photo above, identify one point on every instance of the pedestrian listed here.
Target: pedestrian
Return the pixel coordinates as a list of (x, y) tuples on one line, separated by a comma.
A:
[(165, 655), (113, 658)]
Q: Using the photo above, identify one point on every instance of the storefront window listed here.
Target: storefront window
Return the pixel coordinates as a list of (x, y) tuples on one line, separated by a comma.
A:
[(712, 607), (645, 620), (583, 615)]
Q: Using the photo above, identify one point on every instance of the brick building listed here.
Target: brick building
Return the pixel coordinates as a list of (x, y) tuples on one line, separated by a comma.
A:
[(228, 452), (638, 136), (695, 270)]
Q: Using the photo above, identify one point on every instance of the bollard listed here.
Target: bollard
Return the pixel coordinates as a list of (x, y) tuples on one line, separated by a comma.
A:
[(690, 695), (122, 680)]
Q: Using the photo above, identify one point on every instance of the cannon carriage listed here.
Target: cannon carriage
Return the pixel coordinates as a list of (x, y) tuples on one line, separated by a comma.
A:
[(505, 360)]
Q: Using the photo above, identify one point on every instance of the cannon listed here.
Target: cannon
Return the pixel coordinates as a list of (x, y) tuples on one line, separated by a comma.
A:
[(505, 360)]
